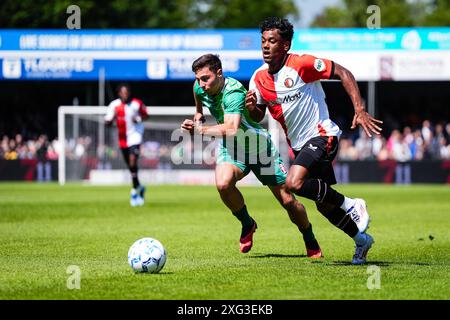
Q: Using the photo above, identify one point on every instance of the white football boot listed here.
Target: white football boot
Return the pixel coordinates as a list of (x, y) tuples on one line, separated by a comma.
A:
[(358, 213), (134, 198)]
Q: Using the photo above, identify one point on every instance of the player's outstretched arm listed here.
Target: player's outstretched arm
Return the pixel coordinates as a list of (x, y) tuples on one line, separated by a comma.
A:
[(361, 117), (257, 111), (229, 127)]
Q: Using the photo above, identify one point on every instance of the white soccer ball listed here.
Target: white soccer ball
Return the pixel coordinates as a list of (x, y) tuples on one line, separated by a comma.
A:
[(147, 255)]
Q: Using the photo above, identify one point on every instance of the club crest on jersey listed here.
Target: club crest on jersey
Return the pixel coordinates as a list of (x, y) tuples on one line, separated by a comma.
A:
[(288, 82), (319, 65), (282, 168)]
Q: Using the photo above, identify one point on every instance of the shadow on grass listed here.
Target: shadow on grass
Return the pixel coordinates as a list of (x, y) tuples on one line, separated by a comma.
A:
[(349, 263), (339, 263), (276, 255), (148, 274), (379, 263)]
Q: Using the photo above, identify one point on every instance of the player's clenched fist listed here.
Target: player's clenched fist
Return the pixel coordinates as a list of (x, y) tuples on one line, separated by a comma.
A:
[(188, 125), (250, 99)]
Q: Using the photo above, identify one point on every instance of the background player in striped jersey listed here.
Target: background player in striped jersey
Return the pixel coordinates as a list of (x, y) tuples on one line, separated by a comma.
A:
[(289, 86), (225, 99), (129, 114)]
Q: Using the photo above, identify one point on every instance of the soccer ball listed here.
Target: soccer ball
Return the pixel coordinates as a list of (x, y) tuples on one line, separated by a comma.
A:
[(147, 255)]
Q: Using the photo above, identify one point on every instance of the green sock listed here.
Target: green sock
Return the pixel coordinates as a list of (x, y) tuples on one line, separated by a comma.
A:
[(309, 238), (244, 217)]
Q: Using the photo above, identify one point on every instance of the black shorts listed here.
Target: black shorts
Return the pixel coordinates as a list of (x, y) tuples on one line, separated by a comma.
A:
[(317, 156), (131, 150)]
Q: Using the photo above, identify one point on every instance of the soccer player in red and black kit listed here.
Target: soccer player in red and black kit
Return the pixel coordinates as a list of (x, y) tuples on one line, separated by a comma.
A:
[(129, 114), (289, 86)]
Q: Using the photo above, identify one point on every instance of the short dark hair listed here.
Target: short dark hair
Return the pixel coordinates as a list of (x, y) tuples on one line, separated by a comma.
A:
[(284, 27), (121, 85), (210, 60)]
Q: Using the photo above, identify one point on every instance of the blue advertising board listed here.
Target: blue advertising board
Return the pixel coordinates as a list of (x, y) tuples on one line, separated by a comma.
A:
[(168, 54)]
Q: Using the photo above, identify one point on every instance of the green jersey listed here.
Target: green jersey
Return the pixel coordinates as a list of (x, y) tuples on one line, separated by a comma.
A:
[(231, 100)]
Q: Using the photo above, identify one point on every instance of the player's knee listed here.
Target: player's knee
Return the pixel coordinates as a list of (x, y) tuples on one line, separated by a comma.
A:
[(290, 204), (288, 201), (294, 185), (223, 186)]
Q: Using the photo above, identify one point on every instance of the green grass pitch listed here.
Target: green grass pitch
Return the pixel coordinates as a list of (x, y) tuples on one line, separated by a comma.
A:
[(45, 228)]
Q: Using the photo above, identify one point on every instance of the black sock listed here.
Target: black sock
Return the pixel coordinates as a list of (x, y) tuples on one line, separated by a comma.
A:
[(343, 221), (309, 238), (319, 191), (245, 219), (136, 182), (134, 177)]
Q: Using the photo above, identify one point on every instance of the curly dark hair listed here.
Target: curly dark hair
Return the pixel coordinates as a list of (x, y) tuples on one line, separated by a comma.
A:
[(284, 27), (122, 85), (210, 60)]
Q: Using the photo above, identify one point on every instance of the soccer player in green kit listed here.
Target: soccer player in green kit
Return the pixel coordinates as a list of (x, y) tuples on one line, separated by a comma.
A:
[(236, 157)]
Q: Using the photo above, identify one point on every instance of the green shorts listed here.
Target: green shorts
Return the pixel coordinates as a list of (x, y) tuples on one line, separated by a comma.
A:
[(267, 167)]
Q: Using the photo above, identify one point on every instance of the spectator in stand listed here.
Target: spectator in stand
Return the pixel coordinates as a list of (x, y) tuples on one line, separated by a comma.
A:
[(379, 150), (438, 134), (439, 143), (3, 146), (31, 149), (363, 146), (398, 148), (444, 149), (433, 147), (427, 132), (408, 137), (439, 131), (44, 170), (22, 148), (80, 148), (51, 152), (347, 151), (19, 140), (11, 153), (447, 132), (56, 147), (390, 142), (417, 146)]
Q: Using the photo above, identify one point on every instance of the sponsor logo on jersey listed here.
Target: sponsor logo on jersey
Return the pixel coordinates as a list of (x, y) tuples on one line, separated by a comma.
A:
[(288, 82), (289, 99), (319, 65), (286, 99), (313, 148)]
